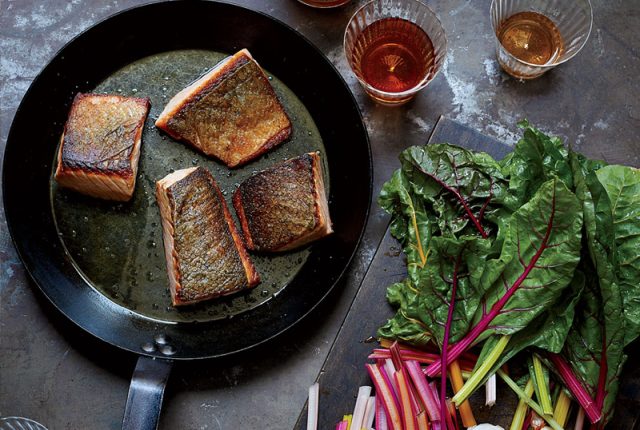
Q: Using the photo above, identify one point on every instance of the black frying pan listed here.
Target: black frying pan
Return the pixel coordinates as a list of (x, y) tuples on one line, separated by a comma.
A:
[(101, 264)]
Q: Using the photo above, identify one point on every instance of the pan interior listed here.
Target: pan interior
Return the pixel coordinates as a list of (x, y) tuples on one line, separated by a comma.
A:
[(118, 247)]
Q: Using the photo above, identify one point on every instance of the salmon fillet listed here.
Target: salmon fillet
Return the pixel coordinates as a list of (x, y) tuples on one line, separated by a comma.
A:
[(100, 145), (205, 254), (284, 206), (231, 113)]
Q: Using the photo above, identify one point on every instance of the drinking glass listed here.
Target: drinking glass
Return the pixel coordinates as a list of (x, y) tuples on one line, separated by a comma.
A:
[(324, 4), (395, 48), (533, 36)]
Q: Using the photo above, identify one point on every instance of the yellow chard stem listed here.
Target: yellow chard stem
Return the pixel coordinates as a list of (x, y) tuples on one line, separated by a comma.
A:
[(423, 256), (348, 419), (541, 386), (477, 376), (522, 409), (528, 400), (561, 411)]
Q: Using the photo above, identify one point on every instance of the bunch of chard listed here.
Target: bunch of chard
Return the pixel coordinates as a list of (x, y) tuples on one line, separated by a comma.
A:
[(403, 399), (537, 252)]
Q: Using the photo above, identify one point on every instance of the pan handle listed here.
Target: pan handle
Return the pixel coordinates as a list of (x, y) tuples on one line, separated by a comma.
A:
[(145, 393)]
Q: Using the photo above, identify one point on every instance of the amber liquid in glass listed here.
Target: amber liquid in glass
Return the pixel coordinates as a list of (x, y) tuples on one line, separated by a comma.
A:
[(393, 55), (531, 37)]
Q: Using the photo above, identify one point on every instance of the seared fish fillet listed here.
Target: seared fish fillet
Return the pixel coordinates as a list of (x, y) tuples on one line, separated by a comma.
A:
[(284, 206), (100, 145), (205, 255), (231, 113)]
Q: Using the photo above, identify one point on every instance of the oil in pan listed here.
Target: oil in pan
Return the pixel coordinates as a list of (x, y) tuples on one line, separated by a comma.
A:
[(118, 246)]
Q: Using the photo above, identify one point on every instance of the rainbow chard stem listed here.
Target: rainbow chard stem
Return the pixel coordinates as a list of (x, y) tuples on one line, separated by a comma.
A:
[(541, 385), (577, 389), (476, 378), (445, 340), (527, 399)]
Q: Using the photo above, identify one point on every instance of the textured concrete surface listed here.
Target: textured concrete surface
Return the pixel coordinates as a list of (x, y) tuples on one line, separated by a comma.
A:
[(51, 372)]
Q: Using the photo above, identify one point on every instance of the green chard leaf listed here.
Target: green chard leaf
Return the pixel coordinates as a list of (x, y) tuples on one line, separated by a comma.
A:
[(402, 326), (463, 188), (423, 302), (539, 255), (595, 344), (540, 252), (622, 186), (410, 223), (448, 257), (535, 159)]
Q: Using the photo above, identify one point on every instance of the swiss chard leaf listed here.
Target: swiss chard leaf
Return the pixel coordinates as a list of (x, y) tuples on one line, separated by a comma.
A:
[(402, 326), (547, 332), (594, 346), (410, 223), (465, 257), (424, 301), (464, 188), (622, 186), (535, 159), (540, 252), (539, 255)]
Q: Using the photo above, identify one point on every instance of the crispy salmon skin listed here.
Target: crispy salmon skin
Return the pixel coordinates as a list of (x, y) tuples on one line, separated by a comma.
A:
[(205, 255), (100, 145), (231, 113), (285, 206)]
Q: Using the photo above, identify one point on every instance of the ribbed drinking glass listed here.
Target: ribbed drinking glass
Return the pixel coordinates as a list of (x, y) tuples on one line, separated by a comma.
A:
[(395, 48), (533, 36)]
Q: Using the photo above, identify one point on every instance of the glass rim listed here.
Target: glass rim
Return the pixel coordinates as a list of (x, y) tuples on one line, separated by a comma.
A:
[(424, 81), (544, 66), (331, 4)]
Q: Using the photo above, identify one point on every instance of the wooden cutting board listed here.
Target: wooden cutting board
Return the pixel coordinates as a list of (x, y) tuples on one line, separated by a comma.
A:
[(343, 371)]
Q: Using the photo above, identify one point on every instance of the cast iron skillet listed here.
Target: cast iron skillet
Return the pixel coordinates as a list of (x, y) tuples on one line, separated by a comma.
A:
[(30, 152)]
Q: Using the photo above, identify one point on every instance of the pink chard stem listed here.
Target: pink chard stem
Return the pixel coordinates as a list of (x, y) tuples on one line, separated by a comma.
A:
[(381, 416), (445, 341), (424, 391), (342, 425), (576, 388), (385, 393)]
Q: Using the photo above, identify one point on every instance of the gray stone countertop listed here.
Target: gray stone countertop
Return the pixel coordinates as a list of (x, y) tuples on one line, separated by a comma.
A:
[(53, 373)]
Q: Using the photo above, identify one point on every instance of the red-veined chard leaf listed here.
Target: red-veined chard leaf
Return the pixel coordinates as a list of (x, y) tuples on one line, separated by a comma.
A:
[(462, 187), (538, 258), (423, 301), (607, 314), (594, 344), (450, 184)]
